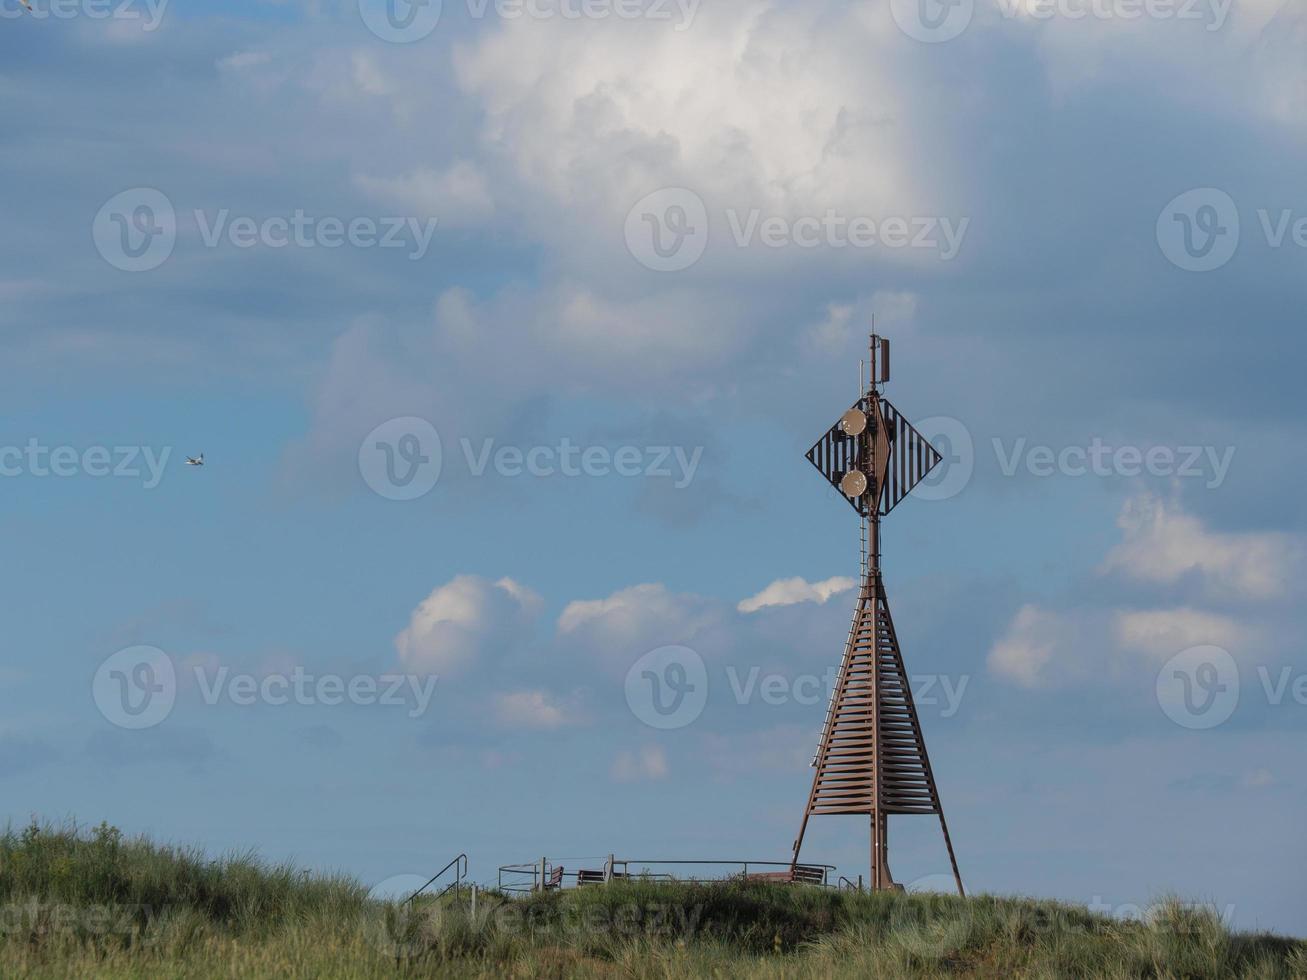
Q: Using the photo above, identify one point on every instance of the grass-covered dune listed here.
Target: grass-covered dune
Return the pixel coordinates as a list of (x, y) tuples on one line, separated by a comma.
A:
[(93, 904)]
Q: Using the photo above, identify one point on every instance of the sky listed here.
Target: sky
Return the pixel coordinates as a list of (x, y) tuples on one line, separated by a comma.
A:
[(503, 328)]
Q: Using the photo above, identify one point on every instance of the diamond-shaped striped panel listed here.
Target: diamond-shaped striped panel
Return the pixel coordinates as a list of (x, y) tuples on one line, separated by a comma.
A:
[(835, 453), (911, 457)]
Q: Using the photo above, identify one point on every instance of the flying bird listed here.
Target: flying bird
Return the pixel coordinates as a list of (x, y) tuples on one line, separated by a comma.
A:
[(195, 460), (25, 4)]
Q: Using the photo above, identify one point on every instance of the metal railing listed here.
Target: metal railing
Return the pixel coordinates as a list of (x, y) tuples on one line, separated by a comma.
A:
[(526, 878), (459, 864)]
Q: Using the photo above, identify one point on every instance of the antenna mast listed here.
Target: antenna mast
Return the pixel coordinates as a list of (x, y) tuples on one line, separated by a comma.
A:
[(871, 758)]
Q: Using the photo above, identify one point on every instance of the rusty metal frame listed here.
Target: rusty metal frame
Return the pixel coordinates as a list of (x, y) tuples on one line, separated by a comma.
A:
[(872, 757)]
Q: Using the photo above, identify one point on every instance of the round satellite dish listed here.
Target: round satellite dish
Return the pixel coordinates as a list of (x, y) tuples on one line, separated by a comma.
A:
[(853, 422), (854, 484)]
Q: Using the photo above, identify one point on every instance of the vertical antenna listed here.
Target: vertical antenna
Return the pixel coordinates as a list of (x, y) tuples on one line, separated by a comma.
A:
[(871, 344)]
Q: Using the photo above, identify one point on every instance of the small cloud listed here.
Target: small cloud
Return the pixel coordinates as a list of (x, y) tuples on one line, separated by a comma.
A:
[(368, 76), (459, 194), (462, 620), (1161, 544), (789, 591), (639, 617), (845, 323), (1025, 653), (1258, 778), (532, 709), (1162, 633), (648, 763), (243, 61)]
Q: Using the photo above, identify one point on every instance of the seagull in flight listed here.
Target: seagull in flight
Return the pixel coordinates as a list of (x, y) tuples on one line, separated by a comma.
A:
[(25, 4), (195, 460)]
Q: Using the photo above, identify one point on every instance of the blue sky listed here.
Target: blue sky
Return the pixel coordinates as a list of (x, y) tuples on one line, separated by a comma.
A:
[(1044, 306)]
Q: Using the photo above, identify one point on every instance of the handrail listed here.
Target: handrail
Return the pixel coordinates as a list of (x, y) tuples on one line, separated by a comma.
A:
[(460, 872), (533, 870), (785, 864)]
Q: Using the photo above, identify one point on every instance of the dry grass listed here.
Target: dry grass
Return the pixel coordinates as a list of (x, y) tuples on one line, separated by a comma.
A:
[(94, 904)]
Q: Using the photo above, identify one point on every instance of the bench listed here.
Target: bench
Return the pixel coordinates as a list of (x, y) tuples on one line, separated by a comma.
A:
[(804, 874)]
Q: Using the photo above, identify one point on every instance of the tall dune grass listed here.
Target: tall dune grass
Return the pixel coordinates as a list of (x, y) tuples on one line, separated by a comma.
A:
[(89, 903)]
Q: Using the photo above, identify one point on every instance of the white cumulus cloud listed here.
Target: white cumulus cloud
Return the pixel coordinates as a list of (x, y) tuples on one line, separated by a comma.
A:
[(1162, 633), (789, 591), (1161, 544), (532, 709), (649, 762), (459, 194), (462, 620)]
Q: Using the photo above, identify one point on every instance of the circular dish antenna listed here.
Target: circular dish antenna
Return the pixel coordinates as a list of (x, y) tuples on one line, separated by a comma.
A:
[(853, 422), (854, 484)]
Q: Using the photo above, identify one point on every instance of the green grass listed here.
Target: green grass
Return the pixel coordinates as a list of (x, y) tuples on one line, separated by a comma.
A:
[(90, 903)]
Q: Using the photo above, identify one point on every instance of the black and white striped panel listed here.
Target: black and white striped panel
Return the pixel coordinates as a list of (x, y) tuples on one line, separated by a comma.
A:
[(835, 453), (911, 457)]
